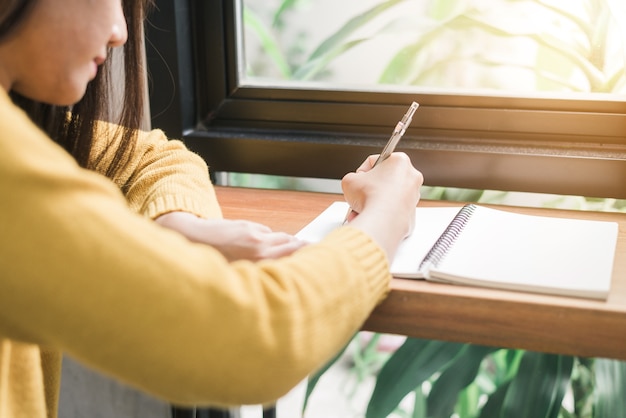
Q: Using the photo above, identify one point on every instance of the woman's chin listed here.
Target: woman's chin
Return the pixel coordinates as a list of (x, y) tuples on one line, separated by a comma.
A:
[(69, 97), (66, 97)]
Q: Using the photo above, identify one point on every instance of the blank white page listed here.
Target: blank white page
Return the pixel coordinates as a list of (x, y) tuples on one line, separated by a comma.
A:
[(522, 252)]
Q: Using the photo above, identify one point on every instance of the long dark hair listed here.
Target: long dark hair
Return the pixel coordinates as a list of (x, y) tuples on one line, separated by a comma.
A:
[(75, 133)]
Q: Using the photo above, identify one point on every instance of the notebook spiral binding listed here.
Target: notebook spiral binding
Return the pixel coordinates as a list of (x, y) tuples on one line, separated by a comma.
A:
[(447, 238)]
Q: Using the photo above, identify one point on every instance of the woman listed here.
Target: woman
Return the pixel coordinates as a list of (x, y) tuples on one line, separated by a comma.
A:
[(87, 271)]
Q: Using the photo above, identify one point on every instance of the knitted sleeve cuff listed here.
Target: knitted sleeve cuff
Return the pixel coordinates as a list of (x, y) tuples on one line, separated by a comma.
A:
[(368, 254), (172, 203)]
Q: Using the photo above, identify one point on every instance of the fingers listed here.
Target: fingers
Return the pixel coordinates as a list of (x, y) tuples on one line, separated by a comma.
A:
[(392, 190), (351, 215), (393, 178), (252, 241), (283, 249), (278, 244), (368, 163)]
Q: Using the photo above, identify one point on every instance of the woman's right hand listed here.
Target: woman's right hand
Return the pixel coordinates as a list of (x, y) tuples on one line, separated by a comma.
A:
[(384, 199)]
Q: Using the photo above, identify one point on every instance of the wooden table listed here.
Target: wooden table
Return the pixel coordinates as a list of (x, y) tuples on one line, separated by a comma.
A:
[(437, 311)]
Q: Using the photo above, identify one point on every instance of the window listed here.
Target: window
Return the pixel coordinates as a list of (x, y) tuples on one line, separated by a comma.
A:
[(559, 129), (566, 48)]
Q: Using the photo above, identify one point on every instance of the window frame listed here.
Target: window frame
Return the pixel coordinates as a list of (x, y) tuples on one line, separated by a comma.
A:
[(569, 147)]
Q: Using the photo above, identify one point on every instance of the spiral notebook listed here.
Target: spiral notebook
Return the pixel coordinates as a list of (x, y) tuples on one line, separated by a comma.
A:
[(480, 246)]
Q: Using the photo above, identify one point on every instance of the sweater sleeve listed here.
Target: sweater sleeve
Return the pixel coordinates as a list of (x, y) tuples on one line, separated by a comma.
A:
[(84, 274), (160, 175)]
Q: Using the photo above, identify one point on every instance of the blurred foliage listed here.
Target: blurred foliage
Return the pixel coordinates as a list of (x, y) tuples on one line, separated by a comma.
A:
[(536, 45), (436, 379)]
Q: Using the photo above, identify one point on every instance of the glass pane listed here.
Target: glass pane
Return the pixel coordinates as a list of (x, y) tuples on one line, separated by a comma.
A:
[(564, 48)]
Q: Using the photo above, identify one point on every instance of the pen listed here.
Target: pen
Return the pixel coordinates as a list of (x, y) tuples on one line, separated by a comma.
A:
[(398, 131), (390, 146)]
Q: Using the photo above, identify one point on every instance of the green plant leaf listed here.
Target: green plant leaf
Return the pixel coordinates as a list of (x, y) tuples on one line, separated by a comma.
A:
[(610, 390), (419, 404), (405, 64), (335, 40), (462, 195), (284, 7), (406, 67), (313, 66), (269, 44), (538, 389), (494, 403), (617, 10), (441, 9), (512, 359), (469, 401), (455, 378), (413, 363)]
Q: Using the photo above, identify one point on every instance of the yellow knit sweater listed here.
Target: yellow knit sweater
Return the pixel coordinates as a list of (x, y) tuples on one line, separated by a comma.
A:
[(85, 271)]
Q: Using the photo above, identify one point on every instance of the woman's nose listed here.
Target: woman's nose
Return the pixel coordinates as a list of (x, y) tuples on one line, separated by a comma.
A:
[(119, 34)]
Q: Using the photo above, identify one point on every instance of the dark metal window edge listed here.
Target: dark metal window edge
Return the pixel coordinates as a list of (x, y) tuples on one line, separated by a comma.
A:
[(522, 144)]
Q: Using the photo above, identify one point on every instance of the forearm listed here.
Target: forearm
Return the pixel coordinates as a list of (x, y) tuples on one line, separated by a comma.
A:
[(182, 324)]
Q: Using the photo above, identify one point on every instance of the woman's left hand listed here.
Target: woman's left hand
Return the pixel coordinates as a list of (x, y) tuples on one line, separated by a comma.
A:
[(235, 239)]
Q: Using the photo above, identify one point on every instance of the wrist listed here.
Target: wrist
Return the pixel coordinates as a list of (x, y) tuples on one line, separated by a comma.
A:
[(176, 220)]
